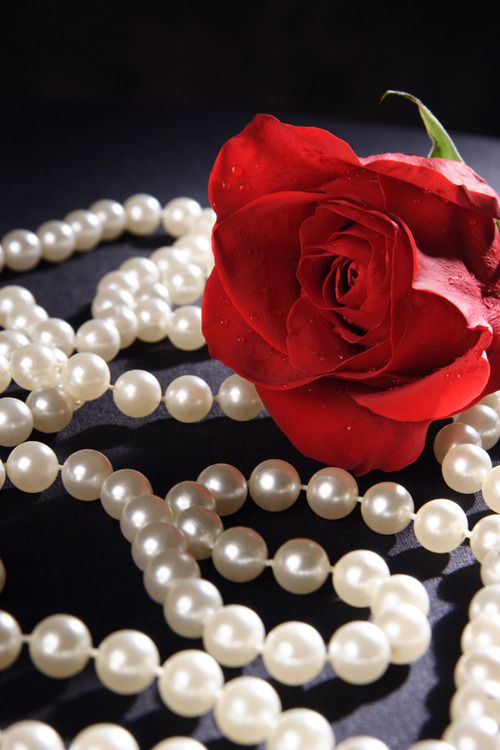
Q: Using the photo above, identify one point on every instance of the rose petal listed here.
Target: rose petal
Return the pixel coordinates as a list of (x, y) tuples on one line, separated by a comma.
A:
[(324, 422)]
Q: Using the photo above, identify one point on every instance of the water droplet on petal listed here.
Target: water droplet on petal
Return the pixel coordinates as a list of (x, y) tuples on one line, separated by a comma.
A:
[(223, 322), (226, 185), (241, 339)]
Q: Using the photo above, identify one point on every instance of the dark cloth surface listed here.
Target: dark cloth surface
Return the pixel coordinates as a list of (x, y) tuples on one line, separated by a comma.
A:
[(63, 555)]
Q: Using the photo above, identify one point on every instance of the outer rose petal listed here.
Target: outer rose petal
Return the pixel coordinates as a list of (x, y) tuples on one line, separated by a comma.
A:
[(324, 422), (269, 155)]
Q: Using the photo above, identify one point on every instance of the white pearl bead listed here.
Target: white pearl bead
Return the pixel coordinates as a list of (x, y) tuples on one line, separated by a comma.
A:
[(485, 601), (491, 489), (167, 568), (440, 525), (301, 566), (140, 270), (407, 630), (188, 494), (125, 321), (155, 289), (246, 710), (189, 605), (485, 420), (179, 214), (3, 475), (84, 472), (11, 640), (190, 682), (106, 301), (25, 317), (359, 652), (387, 508), (472, 734), (104, 737), (142, 212), (120, 487), (294, 653), (274, 485), (301, 729), (126, 661), (184, 328), (55, 332), (362, 742), (234, 635), (430, 745), (332, 493), (485, 536), (492, 400), (153, 316), (154, 539), (238, 399), (86, 227), (198, 249), (99, 337), (227, 485), (31, 735), (490, 567), (481, 633), (164, 256), (57, 240), (205, 222), (86, 376), (111, 214), (34, 366), (179, 743), (32, 466), (399, 589), (188, 398), (481, 668), (114, 280), (453, 434), (472, 701), (239, 554), (185, 282), (60, 646), (356, 575), (142, 511), (137, 393), (22, 250), (16, 421), (201, 528), (465, 467), (11, 296), (10, 341)]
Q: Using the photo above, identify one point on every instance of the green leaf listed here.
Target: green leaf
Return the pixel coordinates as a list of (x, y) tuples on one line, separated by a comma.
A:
[(442, 144)]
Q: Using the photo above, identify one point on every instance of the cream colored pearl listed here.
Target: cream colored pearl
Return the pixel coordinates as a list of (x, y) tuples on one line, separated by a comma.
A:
[(179, 214), (154, 289), (105, 302), (3, 475), (188, 494), (84, 472), (485, 601), (332, 493), (114, 280), (485, 420), (246, 710), (140, 270), (111, 214), (399, 589), (204, 223), (407, 630), (465, 467), (104, 737), (185, 282), (11, 296), (16, 421), (359, 652), (153, 539), (485, 536), (198, 247), (142, 511), (11, 641), (481, 668), (32, 466), (362, 742), (51, 409), (57, 240), (99, 337), (188, 398), (60, 646), (490, 567), (86, 376), (274, 485), (453, 434), (472, 734), (440, 525), (301, 729), (167, 568), (31, 735), (184, 328), (234, 635), (125, 321), (153, 316), (164, 256), (86, 227), (10, 341), (189, 604), (387, 508), (120, 487), (190, 682), (239, 399), (491, 489), (56, 333), (179, 743), (301, 566), (481, 633), (227, 485), (126, 661), (142, 212), (34, 366), (356, 575), (430, 745), (294, 653), (25, 318), (200, 527), (472, 701), (137, 393), (22, 250), (239, 554)]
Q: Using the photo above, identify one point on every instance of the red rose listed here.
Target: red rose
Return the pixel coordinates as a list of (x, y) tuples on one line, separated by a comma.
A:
[(359, 295)]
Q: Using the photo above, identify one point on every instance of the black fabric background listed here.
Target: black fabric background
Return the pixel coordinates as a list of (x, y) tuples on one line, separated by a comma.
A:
[(62, 555)]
